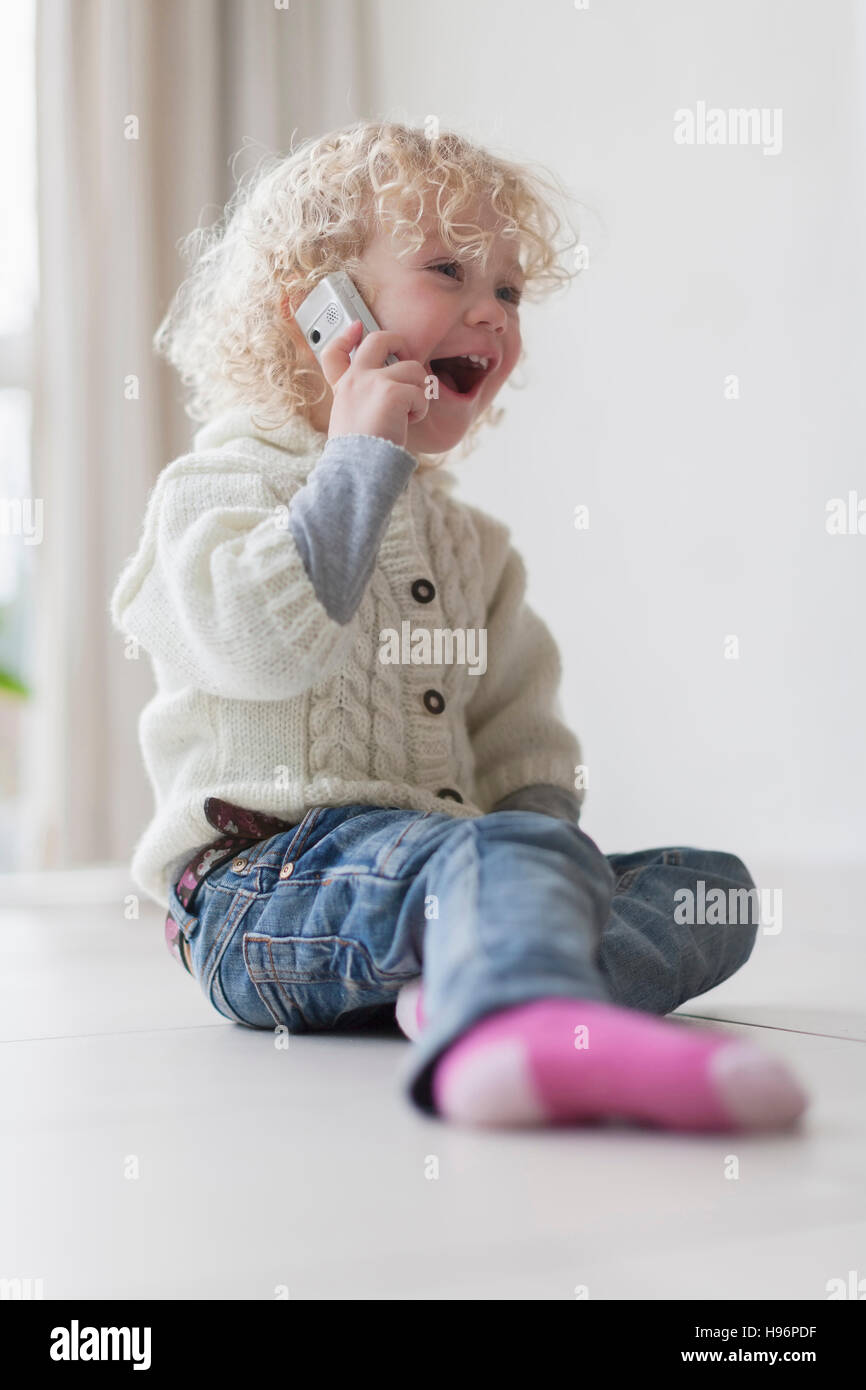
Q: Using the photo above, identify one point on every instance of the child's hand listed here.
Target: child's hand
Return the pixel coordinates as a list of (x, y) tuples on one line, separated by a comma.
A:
[(370, 397)]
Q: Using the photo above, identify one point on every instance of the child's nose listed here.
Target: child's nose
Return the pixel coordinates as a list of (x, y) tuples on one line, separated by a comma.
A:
[(489, 310)]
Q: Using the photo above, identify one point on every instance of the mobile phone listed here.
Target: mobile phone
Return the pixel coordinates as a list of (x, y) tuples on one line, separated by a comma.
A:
[(332, 306)]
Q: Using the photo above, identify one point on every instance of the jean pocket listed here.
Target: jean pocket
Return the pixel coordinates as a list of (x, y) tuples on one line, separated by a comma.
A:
[(307, 983)]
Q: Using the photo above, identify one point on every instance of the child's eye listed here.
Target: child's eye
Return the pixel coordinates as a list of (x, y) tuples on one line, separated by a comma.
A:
[(510, 290)]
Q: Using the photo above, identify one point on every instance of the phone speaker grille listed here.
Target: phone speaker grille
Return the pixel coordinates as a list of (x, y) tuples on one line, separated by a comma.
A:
[(332, 314)]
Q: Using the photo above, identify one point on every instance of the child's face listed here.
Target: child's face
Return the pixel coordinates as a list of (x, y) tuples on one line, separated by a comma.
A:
[(442, 308), (446, 308)]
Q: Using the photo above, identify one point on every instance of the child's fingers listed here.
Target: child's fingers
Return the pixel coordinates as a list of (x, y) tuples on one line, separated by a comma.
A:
[(334, 359), (377, 347)]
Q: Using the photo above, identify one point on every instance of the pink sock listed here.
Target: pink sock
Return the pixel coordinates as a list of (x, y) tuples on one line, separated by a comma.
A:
[(556, 1060)]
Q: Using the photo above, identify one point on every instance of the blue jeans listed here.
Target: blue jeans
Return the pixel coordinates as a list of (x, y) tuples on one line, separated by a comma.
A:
[(318, 927)]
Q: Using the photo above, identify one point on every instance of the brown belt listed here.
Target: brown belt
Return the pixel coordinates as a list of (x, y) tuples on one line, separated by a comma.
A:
[(240, 829)]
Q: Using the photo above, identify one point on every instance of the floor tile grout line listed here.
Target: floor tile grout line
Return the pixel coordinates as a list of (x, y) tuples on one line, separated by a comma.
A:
[(119, 1033), (197, 1027), (770, 1027)]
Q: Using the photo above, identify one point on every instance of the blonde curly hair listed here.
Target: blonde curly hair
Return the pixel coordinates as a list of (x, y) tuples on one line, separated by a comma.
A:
[(294, 219)]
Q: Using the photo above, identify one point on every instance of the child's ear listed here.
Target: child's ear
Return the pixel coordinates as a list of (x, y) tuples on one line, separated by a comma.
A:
[(292, 296)]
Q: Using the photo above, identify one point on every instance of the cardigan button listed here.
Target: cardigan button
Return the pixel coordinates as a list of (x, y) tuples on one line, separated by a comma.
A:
[(450, 793), (238, 865), (287, 870), (434, 701), (423, 591)]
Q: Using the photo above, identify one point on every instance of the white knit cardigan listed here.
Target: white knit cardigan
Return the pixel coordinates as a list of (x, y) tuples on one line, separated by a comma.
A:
[(265, 701)]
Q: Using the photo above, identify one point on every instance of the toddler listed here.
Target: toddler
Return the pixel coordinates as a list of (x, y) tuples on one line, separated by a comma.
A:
[(355, 822)]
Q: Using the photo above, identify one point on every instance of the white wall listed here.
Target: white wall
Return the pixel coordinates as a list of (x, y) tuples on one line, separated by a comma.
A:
[(707, 515)]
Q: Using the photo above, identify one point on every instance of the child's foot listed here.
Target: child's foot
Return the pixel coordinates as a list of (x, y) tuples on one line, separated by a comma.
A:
[(556, 1060)]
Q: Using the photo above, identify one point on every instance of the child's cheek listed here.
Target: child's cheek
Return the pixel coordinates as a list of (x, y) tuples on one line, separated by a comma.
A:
[(512, 353), (399, 308)]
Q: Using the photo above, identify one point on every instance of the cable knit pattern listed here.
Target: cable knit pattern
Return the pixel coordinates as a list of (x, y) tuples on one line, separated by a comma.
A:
[(266, 702)]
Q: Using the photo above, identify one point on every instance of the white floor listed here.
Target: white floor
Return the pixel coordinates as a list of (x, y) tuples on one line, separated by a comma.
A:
[(306, 1171)]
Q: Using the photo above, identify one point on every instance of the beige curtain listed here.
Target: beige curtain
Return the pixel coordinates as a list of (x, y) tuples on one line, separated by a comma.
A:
[(141, 105)]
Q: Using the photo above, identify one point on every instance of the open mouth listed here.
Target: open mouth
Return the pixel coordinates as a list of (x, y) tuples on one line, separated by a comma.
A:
[(460, 375)]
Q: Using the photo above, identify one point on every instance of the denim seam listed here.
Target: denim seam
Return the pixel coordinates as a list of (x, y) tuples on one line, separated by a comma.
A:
[(176, 910), (631, 876), (302, 829), (311, 979), (242, 900), (315, 880), (292, 1004), (404, 831)]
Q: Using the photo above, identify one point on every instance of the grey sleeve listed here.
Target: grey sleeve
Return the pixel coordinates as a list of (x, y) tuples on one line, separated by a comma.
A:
[(339, 517), (541, 796)]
